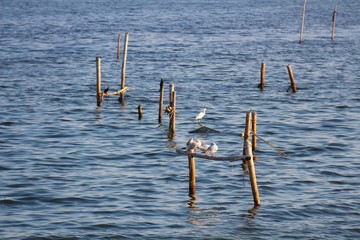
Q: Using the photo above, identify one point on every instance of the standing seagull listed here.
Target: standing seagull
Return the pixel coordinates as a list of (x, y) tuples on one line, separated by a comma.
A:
[(200, 115), (212, 149)]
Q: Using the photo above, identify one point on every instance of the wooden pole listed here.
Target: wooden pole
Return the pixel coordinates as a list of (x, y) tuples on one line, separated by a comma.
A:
[(98, 78), (250, 161), (232, 158), (292, 79), (161, 100), (140, 111), (253, 181), (118, 47), (116, 92), (333, 24), (171, 91), (123, 70), (262, 76), (253, 118), (192, 174), (247, 130), (173, 114), (302, 22)]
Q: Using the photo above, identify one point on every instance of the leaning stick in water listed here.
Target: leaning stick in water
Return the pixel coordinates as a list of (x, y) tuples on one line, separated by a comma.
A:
[(292, 79), (333, 24), (302, 22), (123, 69)]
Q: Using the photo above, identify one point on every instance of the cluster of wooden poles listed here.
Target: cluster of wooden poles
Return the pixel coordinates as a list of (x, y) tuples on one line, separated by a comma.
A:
[(249, 147), (99, 93), (291, 76), (170, 109), (303, 20)]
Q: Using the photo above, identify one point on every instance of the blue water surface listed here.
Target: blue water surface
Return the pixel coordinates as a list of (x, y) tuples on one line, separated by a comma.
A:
[(72, 170)]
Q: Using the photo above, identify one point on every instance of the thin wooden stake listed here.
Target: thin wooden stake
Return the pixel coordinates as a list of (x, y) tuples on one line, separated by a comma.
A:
[(247, 130), (161, 100), (250, 162), (262, 76), (140, 111), (253, 122), (171, 93), (173, 114), (123, 70), (171, 90), (292, 79), (98, 78), (118, 47), (192, 174), (253, 181), (333, 24), (302, 22)]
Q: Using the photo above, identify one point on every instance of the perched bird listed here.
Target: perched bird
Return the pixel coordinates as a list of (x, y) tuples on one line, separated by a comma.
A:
[(211, 149), (200, 115), (203, 148), (191, 140), (197, 143), (193, 144), (106, 89)]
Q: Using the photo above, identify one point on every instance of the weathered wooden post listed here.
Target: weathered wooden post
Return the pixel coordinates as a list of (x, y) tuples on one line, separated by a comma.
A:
[(333, 24), (171, 90), (171, 96), (173, 115), (192, 174), (302, 22), (292, 79), (253, 126), (250, 161), (140, 111), (247, 131), (118, 47), (123, 70), (98, 78), (262, 76), (161, 100)]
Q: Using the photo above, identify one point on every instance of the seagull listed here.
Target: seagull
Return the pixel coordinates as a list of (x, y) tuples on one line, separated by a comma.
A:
[(203, 148), (200, 115), (197, 143), (193, 144), (191, 140), (211, 149)]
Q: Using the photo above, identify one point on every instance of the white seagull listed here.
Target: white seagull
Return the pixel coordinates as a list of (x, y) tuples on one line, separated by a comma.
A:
[(193, 144), (191, 140), (203, 148), (197, 143), (200, 115), (211, 149)]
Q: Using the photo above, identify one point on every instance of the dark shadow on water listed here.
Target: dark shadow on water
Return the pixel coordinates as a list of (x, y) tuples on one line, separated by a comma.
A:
[(204, 129)]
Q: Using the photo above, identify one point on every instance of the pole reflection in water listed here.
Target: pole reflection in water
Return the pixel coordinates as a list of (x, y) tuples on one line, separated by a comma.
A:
[(192, 201), (252, 212)]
